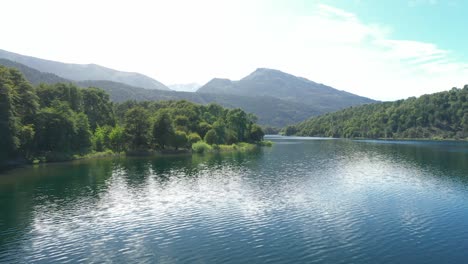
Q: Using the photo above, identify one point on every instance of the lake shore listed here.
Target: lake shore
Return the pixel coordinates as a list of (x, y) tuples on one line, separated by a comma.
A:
[(65, 157)]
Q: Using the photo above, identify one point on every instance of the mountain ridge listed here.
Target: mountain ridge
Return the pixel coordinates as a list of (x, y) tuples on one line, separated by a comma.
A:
[(270, 111), (81, 72), (275, 83), (277, 98)]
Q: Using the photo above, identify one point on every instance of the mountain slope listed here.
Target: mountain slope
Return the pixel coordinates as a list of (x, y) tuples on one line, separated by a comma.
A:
[(81, 72), (34, 76), (270, 111), (439, 115), (274, 83)]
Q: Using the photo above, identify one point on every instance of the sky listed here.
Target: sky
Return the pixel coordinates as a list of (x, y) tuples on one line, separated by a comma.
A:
[(385, 50)]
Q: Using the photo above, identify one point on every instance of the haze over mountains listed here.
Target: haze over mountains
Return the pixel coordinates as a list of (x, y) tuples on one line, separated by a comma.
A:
[(185, 87), (81, 72), (277, 98)]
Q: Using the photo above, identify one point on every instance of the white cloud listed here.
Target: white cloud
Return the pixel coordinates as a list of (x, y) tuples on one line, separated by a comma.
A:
[(194, 41)]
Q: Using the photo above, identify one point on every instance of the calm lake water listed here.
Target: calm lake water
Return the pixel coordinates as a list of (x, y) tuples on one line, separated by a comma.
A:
[(303, 200)]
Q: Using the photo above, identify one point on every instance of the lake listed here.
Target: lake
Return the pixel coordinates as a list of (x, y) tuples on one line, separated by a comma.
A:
[(304, 200)]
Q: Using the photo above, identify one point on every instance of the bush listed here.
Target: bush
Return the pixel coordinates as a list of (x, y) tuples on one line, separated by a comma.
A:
[(201, 147), (265, 143)]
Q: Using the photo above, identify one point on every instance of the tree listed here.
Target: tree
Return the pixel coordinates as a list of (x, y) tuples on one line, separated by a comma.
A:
[(211, 137), (64, 92), (9, 123), (101, 140), (162, 129), (27, 101), (117, 138), (203, 127), (137, 128), (290, 130), (193, 138), (179, 139), (98, 107), (256, 133), (238, 122), (82, 138), (220, 128), (55, 128)]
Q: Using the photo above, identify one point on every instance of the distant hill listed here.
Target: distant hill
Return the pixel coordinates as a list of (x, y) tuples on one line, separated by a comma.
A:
[(441, 115), (277, 98), (274, 83), (270, 111), (185, 87), (34, 76), (81, 72)]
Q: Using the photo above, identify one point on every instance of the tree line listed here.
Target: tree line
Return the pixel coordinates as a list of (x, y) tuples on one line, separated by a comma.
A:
[(51, 121), (442, 115)]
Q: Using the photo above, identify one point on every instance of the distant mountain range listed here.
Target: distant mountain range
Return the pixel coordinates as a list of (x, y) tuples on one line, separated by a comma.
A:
[(185, 87), (269, 82), (82, 72), (277, 98)]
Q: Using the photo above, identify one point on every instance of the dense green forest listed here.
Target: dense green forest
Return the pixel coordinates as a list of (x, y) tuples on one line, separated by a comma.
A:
[(441, 115), (59, 121)]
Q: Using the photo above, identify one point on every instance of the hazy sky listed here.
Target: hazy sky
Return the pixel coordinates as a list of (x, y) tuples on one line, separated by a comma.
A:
[(380, 49)]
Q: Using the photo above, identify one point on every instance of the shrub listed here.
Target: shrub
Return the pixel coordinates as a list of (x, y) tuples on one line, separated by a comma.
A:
[(201, 147)]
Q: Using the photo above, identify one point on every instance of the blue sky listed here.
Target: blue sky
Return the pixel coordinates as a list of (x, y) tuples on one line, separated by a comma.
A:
[(384, 50), (441, 22)]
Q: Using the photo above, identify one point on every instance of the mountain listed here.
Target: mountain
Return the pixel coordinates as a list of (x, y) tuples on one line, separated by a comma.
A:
[(81, 72), (441, 115), (269, 110), (32, 75), (185, 87), (277, 98), (275, 83)]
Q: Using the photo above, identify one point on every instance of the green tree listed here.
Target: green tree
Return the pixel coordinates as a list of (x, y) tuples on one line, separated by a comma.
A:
[(137, 128), (9, 123), (193, 138), (55, 128), (211, 137), (162, 129), (256, 133), (117, 138), (238, 122), (179, 139), (220, 128), (101, 140), (98, 107)]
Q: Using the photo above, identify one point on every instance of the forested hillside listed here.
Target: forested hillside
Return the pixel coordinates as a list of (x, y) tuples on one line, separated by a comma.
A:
[(269, 110), (441, 115), (59, 121)]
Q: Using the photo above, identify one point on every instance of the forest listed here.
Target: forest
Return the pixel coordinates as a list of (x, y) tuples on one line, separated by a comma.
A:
[(442, 115), (60, 121)]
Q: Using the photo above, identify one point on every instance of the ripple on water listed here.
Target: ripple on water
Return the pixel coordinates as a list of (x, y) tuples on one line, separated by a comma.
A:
[(301, 201)]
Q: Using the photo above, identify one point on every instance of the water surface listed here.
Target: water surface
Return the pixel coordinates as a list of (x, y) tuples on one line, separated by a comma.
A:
[(304, 200)]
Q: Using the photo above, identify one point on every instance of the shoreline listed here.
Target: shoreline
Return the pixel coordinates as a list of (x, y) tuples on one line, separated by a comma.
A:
[(389, 139), (246, 147)]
